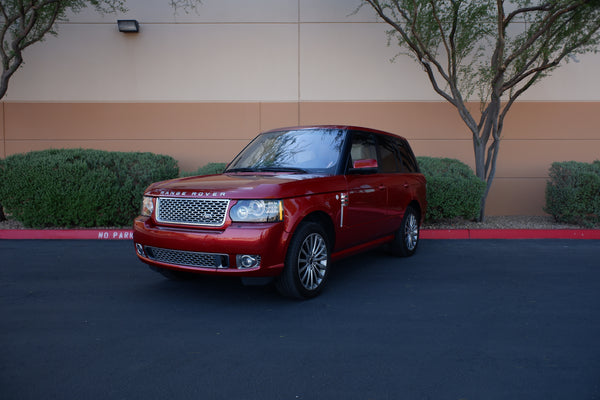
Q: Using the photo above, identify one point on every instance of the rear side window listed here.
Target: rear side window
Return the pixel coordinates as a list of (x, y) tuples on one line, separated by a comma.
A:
[(389, 161), (409, 163), (393, 154)]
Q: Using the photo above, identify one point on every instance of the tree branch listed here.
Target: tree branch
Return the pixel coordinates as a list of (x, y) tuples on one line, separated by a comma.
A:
[(452, 38), (545, 25), (440, 28), (546, 63), (418, 48), (525, 10)]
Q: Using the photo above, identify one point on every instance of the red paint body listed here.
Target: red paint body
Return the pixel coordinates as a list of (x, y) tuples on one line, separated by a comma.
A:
[(359, 208)]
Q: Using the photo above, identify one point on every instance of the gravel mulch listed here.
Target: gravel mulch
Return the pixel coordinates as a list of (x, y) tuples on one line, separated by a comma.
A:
[(10, 224), (492, 222), (506, 222)]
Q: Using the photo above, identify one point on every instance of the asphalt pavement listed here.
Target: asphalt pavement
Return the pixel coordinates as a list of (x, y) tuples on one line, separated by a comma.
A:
[(462, 319)]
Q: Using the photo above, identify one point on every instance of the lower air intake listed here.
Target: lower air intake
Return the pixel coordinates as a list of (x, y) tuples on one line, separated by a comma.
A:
[(187, 258)]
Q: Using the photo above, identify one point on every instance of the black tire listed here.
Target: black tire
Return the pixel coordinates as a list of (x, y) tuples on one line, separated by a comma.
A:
[(406, 240), (307, 263)]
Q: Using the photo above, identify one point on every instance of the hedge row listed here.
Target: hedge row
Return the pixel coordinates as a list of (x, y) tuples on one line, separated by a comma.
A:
[(89, 188), (453, 190), (573, 192), (79, 188)]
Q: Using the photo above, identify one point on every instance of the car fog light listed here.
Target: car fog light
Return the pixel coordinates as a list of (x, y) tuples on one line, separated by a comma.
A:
[(247, 261), (139, 249)]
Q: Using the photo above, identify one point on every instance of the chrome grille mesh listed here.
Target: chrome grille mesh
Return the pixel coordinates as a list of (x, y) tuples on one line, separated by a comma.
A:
[(187, 258), (204, 212)]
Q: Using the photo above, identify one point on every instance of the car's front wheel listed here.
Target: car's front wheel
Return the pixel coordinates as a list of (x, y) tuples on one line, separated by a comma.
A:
[(306, 264)]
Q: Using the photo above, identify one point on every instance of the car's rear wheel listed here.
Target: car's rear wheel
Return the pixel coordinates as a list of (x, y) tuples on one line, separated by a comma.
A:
[(407, 237), (306, 264)]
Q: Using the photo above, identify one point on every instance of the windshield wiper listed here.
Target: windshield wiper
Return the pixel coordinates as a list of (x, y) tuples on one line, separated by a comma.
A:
[(243, 169), (283, 169), (267, 169)]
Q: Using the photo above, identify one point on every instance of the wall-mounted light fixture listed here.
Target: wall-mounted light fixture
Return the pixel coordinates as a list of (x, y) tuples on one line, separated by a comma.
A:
[(128, 25)]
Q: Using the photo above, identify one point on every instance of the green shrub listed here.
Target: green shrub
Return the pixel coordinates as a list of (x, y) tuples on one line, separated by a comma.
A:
[(573, 192), (453, 190), (76, 187), (208, 169)]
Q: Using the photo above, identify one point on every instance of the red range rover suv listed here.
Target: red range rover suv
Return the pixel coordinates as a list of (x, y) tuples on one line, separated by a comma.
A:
[(293, 201)]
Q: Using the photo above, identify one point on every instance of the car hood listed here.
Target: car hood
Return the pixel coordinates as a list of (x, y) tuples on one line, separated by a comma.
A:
[(247, 186)]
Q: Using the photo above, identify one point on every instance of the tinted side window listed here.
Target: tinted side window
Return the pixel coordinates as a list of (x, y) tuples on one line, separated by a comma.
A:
[(389, 161), (409, 164), (363, 147)]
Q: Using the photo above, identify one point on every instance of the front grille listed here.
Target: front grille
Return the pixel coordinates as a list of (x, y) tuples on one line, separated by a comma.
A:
[(187, 258), (203, 212)]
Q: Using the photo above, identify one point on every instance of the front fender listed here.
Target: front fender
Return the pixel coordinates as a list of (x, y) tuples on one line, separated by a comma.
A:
[(298, 208)]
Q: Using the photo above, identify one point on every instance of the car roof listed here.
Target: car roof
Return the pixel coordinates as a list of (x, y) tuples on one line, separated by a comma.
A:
[(340, 127)]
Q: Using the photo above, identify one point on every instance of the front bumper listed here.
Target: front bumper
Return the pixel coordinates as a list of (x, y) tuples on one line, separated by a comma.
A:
[(212, 251)]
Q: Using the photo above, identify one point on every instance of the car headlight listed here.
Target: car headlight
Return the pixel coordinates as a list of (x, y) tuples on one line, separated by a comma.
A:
[(147, 206), (257, 211)]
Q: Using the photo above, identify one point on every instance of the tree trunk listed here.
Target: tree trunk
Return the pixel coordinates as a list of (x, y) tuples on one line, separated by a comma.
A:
[(2, 216), (479, 151), (486, 156), (484, 200)]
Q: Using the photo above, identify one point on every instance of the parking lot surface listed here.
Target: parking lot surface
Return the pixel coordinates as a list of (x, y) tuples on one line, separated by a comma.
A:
[(462, 319)]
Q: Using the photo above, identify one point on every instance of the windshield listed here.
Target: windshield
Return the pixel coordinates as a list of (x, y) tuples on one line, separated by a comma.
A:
[(296, 151)]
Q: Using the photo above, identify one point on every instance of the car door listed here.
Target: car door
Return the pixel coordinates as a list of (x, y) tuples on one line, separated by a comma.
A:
[(413, 182), (365, 201), (396, 180)]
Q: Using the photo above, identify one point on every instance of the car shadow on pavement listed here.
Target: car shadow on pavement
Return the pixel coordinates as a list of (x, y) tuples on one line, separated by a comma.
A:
[(344, 274), (211, 289)]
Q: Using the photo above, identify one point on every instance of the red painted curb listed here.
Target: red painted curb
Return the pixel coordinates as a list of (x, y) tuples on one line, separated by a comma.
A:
[(85, 234), (511, 234), (127, 234), (534, 234), (444, 234)]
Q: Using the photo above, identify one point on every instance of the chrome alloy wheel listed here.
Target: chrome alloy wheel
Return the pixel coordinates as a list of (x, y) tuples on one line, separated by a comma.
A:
[(411, 232), (312, 261)]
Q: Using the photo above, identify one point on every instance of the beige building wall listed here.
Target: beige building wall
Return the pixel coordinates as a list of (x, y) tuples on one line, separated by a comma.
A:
[(198, 86), (536, 134)]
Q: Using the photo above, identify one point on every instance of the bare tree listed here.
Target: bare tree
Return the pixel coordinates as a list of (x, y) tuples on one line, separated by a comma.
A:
[(492, 49)]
